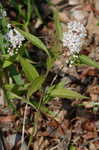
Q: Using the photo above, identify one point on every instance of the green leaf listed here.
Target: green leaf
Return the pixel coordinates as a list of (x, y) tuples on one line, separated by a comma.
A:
[(24, 87), (61, 84), (29, 11), (88, 61), (49, 63), (16, 76), (47, 96), (36, 11), (18, 79), (29, 70), (9, 87), (35, 40), (12, 95), (97, 24), (42, 108), (6, 63), (66, 93), (72, 147), (35, 85)]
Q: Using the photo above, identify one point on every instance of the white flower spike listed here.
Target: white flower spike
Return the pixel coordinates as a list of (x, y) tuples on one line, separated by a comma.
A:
[(74, 38), (15, 39)]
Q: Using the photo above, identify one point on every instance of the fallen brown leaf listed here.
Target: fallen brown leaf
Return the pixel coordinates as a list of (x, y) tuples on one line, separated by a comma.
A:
[(97, 144), (6, 119), (92, 146), (91, 26), (88, 72), (89, 126), (90, 135)]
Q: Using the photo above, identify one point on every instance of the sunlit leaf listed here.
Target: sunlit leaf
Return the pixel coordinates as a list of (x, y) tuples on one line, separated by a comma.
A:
[(61, 84), (9, 86), (6, 63), (66, 93), (12, 95), (34, 40), (72, 147), (88, 61), (35, 85), (29, 70), (49, 63)]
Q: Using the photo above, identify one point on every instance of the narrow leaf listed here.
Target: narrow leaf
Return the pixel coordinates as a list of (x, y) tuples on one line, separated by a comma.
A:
[(88, 61), (29, 70), (49, 63), (66, 93), (6, 63), (35, 40), (35, 85), (12, 95), (61, 84), (29, 11)]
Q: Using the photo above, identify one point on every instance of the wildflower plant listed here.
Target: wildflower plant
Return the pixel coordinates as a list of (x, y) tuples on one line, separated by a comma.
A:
[(11, 39), (3, 30), (18, 74), (74, 40), (20, 79)]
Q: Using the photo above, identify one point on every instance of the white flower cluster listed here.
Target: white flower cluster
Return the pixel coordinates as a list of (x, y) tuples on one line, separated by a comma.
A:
[(74, 38), (2, 13), (15, 39)]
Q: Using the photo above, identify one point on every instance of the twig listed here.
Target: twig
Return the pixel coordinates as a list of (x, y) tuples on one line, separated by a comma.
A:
[(55, 77), (23, 129), (90, 141)]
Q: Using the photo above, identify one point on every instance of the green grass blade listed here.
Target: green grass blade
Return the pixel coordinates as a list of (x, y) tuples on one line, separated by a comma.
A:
[(29, 11)]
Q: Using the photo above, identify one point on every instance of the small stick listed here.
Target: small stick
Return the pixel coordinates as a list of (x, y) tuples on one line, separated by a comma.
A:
[(90, 141), (23, 129)]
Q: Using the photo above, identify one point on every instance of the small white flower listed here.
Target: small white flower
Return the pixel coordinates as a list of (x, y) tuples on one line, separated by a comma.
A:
[(15, 39), (74, 38), (9, 26), (4, 14)]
